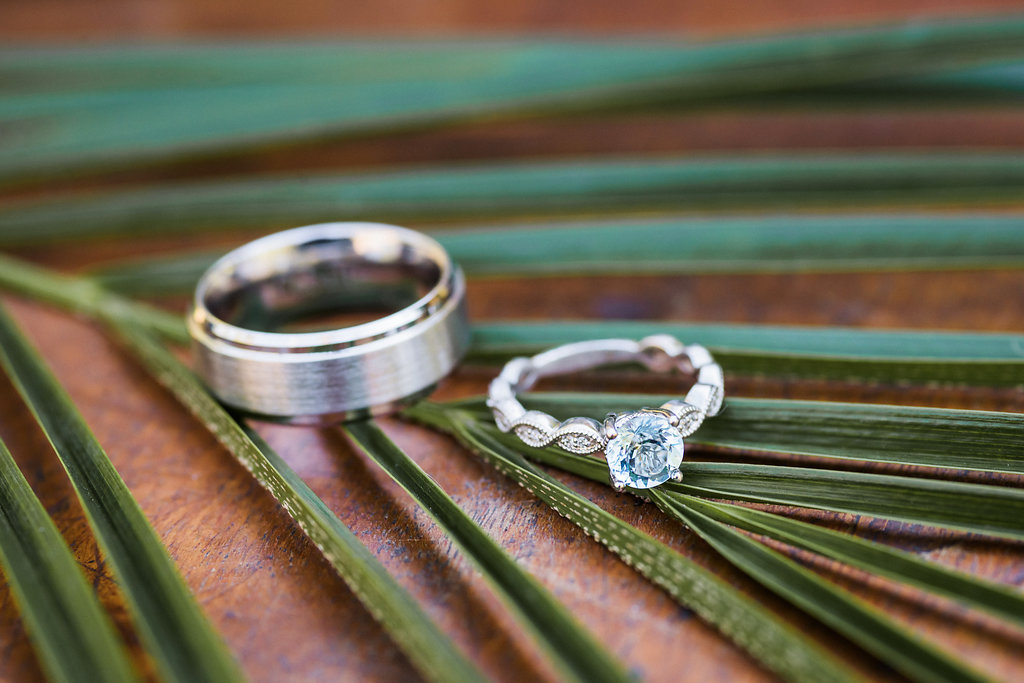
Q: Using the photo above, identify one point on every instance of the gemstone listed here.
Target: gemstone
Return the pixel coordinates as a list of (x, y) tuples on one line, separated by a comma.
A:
[(646, 451)]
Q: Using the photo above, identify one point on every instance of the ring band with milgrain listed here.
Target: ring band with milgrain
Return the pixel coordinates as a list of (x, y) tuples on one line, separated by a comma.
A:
[(644, 447), (252, 361)]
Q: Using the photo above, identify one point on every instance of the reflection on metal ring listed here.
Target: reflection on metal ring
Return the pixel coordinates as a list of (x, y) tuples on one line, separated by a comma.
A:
[(251, 361)]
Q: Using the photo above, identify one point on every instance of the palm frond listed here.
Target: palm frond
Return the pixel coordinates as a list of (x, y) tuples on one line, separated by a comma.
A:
[(839, 353), (426, 646), (68, 108), (73, 637), (848, 354), (82, 296), (670, 246), (975, 508), (773, 642), (932, 437), (867, 626), (173, 628), (565, 641), (473, 191), (877, 559), (224, 97)]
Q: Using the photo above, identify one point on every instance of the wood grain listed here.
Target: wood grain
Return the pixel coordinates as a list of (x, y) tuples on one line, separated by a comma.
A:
[(282, 610), (85, 19)]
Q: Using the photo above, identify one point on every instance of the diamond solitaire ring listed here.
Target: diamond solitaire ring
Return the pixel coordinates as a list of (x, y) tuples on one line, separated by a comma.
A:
[(644, 448), (253, 356)]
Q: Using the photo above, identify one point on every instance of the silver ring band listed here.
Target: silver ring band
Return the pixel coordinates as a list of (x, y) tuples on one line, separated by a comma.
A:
[(643, 447), (331, 375)]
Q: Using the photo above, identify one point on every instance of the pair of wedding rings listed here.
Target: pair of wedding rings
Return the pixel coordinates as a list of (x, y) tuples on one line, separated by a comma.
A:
[(254, 357)]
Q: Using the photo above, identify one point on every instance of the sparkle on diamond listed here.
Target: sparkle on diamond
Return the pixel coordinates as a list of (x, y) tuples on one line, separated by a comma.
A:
[(645, 452)]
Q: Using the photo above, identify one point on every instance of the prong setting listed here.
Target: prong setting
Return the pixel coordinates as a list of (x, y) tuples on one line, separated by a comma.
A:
[(610, 432)]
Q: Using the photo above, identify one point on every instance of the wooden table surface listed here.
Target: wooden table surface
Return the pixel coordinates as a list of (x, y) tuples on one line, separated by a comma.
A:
[(279, 605)]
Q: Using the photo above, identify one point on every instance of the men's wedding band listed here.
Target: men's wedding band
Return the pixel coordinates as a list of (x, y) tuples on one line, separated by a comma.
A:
[(252, 361)]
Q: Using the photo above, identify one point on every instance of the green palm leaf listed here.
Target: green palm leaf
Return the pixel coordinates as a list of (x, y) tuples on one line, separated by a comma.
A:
[(884, 51), (880, 560), (218, 98), (428, 649), (567, 643), (48, 80), (674, 245), (932, 437), (846, 354), (731, 244), (80, 295), (822, 352), (174, 630), (773, 642), (974, 82), (75, 640), (431, 651), (985, 86), (563, 639), (211, 99), (850, 616), (507, 189), (976, 508), (867, 626), (500, 340)]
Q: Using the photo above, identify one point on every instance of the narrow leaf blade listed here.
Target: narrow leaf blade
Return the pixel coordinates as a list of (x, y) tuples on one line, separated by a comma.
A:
[(428, 649), (217, 101), (975, 508), (73, 637), (868, 627), (846, 354), (906, 435), (875, 558), (173, 628), (673, 245), (774, 643), (564, 639), (79, 295), (473, 191)]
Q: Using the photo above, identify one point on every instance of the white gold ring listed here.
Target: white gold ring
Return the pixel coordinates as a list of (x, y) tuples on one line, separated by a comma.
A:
[(643, 448), (244, 303)]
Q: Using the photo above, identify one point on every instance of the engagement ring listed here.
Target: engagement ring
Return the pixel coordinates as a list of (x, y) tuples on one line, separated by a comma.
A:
[(644, 447), (252, 360)]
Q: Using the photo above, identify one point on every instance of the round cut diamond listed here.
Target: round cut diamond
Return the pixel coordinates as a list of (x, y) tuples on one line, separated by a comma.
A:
[(646, 450)]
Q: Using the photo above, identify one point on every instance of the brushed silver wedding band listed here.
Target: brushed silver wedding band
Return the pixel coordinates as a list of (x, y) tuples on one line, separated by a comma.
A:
[(332, 375)]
